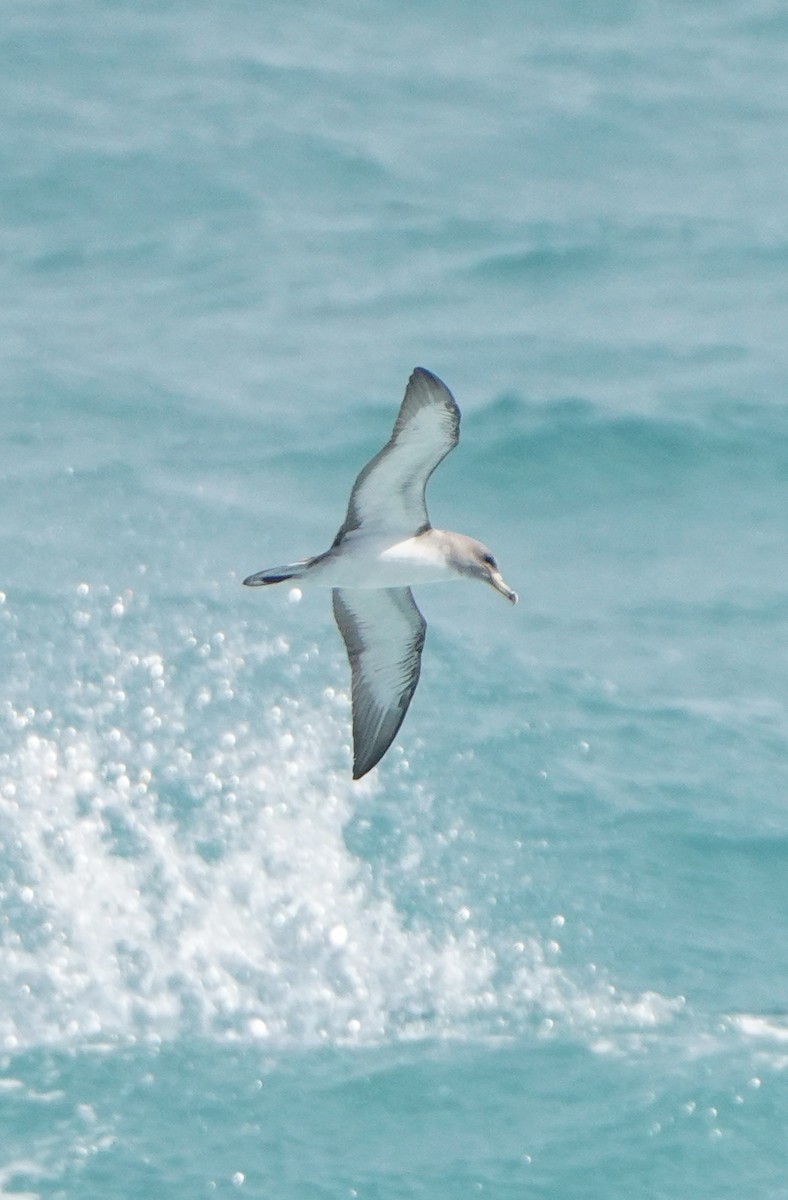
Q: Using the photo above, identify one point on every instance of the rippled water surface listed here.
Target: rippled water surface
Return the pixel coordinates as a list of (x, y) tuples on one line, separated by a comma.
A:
[(543, 949)]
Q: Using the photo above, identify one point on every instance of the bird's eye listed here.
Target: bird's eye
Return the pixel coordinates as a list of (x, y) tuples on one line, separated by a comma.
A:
[(489, 560)]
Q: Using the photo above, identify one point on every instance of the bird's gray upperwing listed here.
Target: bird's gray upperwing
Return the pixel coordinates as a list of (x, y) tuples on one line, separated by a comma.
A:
[(389, 492), (383, 632)]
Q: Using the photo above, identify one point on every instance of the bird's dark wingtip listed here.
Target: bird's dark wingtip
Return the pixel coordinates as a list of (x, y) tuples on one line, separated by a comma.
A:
[(429, 375)]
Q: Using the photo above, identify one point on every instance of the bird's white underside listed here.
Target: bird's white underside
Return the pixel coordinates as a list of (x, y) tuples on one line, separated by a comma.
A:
[(369, 560)]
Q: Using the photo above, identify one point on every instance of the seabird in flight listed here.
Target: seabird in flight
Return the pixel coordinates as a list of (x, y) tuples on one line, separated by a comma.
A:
[(385, 545)]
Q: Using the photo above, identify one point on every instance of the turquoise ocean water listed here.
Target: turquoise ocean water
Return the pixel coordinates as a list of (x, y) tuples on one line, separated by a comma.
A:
[(542, 951)]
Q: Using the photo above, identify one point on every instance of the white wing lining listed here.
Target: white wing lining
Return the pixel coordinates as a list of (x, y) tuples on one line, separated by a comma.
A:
[(389, 491), (383, 632)]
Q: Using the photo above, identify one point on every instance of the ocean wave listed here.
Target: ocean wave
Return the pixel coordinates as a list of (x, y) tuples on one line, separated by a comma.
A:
[(176, 860), (574, 449)]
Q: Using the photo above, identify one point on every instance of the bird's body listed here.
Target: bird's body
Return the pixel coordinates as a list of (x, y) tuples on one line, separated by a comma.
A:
[(371, 560), (385, 545)]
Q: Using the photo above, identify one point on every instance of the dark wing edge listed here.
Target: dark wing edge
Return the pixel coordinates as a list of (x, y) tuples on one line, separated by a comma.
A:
[(423, 390), (383, 632)]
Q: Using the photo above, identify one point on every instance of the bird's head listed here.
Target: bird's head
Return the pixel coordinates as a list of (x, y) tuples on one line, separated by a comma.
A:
[(475, 560)]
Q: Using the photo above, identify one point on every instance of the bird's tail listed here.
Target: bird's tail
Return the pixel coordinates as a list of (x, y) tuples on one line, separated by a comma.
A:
[(278, 574)]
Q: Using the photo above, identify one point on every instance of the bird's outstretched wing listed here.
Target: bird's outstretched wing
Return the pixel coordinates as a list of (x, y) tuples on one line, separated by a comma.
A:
[(389, 492), (384, 635)]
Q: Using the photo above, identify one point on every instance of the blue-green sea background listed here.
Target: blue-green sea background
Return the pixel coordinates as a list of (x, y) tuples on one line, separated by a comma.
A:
[(543, 950)]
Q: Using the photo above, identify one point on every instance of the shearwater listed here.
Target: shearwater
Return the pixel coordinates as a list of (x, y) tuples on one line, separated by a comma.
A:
[(385, 545)]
